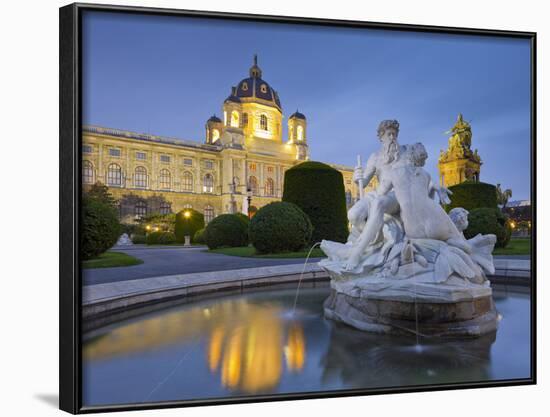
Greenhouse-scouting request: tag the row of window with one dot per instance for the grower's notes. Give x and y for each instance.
(142, 156)
(114, 179)
(236, 122)
(141, 210)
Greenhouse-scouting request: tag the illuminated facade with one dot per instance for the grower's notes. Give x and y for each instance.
(244, 150)
(458, 163)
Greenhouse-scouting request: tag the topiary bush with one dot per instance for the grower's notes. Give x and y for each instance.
(471, 195)
(100, 227)
(199, 236)
(139, 239)
(489, 221)
(280, 227)
(244, 218)
(226, 230)
(318, 190)
(188, 226)
(160, 238)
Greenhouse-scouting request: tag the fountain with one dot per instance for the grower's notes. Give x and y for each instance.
(407, 267)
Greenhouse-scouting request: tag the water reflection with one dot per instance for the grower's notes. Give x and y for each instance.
(387, 361)
(247, 344)
(250, 344)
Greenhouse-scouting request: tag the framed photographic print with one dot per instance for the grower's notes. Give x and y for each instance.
(259, 208)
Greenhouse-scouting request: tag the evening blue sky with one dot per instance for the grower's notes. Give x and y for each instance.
(167, 75)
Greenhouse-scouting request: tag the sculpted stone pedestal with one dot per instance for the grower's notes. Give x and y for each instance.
(403, 307)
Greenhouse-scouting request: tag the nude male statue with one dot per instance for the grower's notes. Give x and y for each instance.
(375, 206)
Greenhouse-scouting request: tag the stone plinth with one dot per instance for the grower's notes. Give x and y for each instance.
(403, 307)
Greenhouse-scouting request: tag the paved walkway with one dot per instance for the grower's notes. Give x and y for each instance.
(162, 261)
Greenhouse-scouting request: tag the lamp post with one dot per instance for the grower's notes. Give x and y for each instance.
(249, 199)
(187, 216)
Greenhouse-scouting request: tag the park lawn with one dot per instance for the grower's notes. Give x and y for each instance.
(250, 252)
(110, 260)
(516, 246)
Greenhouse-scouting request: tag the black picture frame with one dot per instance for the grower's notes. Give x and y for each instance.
(70, 123)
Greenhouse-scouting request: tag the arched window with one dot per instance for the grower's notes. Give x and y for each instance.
(187, 183)
(165, 179)
(114, 175)
(300, 132)
(235, 118)
(263, 122)
(87, 172)
(165, 208)
(208, 214)
(140, 177)
(140, 209)
(187, 206)
(245, 119)
(253, 185)
(208, 184)
(215, 135)
(269, 187)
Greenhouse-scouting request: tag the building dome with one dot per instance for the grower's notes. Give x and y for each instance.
(297, 115)
(233, 99)
(214, 119)
(254, 87)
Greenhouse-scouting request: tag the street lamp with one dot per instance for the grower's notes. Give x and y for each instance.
(187, 216)
(249, 199)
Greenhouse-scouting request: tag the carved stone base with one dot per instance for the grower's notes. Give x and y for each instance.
(466, 317)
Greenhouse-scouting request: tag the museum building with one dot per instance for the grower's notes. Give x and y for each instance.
(243, 157)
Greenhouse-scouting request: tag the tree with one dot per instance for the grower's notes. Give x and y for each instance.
(503, 196)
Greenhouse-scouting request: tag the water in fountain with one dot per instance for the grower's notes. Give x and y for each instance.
(301, 276)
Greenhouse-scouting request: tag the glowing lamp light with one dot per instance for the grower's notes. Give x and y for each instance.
(187, 214)
(513, 225)
(148, 227)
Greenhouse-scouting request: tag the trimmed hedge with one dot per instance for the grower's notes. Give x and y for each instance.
(160, 238)
(226, 230)
(318, 190)
(280, 227)
(471, 195)
(100, 227)
(137, 239)
(489, 221)
(244, 218)
(199, 236)
(188, 226)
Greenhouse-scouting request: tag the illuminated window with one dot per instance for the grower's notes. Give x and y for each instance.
(140, 209)
(187, 206)
(263, 122)
(188, 162)
(208, 214)
(215, 135)
(140, 177)
(235, 118)
(245, 119)
(87, 172)
(141, 156)
(114, 175)
(269, 187)
(165, 208)
(187, 183)
(253, 185)
(114, 152)
(300, 133)
(165, 179)
(208, 183)
(252, 167)
(165, 158)
(87, 149)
